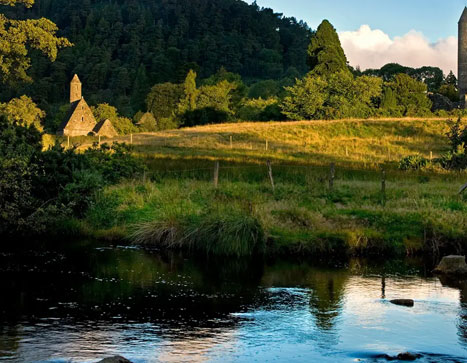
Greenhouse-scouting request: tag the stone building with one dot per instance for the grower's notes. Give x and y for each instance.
(80, 120)
(462, 56)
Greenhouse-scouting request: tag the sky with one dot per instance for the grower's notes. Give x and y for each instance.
(375, 32)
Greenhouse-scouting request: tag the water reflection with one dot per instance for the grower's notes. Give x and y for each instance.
(83, 303)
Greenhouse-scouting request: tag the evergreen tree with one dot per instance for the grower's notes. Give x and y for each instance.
(191, 93)
(325, 53)
(450, 79)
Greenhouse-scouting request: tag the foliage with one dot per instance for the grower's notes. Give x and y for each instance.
(260, 110)
(122, 48)
(23, 111)
(147, 123)
(389, 103)
(162, 101)
(450, 91)
(265, 89)
(217, 96)
(410, 95)
(239, 91)
(325, 53)
(189, 102)
(339, 95)
(17, 37)
(431, 76)
(39, 187)
(455, 159)
(121, 124)
(413, 162)
(305, 98)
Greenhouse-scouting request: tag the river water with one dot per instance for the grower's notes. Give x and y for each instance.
(85, 302)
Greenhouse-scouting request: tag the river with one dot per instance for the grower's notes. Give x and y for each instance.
(88, 301)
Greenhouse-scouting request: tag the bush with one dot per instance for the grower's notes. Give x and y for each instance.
(413, 162)
(204, 116)
(233, 233)
(454, 160)
(39, 187)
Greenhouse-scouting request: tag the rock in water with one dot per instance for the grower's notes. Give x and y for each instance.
(116, 359)
(407, 356)
(403, 302)
(452, 265)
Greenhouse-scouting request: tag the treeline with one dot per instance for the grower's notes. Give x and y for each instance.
(123, 47)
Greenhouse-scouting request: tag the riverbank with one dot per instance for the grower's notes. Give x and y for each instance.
(177, 205)
(418, 213)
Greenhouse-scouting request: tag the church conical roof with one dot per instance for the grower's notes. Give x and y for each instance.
(463, 18)
(76, 79)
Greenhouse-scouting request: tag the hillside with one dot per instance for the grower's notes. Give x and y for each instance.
(415, 211)
(350, 143)
(122, 48)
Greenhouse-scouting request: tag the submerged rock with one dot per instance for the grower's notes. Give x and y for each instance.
(116, 359)
(403, 302)
(408, 356)
(452, 265)
(405, 357)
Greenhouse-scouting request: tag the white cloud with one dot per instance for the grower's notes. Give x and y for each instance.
(372, 48)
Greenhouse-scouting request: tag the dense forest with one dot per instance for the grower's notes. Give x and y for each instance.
(123, 47)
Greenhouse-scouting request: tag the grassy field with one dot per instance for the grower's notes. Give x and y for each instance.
(176, 204)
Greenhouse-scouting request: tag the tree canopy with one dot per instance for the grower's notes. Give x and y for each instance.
(325, 53)
(17, 37)
(122, 48)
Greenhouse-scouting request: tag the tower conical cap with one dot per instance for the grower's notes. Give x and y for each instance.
(75, 79)
(463, 18)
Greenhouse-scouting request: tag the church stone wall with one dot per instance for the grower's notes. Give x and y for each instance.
(81, 122)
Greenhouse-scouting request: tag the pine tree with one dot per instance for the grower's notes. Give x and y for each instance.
(325, 53)
(450, 79)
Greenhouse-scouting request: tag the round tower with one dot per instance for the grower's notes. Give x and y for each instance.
(462, 56)
(75, 89)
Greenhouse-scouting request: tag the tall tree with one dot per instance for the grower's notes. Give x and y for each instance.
(17, 37)
(325, 53)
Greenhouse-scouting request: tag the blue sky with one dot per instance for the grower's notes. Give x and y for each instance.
(434, 18)
(375, 32)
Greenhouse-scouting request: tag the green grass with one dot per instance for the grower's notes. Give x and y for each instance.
(177, 206)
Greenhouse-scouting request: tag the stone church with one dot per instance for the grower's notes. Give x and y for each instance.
(80, 120)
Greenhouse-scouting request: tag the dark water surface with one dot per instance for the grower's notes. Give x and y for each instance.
(84, 303)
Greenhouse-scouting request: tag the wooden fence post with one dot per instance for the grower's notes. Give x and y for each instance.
(131, 139)
(332, 176)
(231, 142)
(267, 145)
(347, 151)
(431, 155)
(68, 143)
(99, 140)
(216, 174)
(271, 179)
(383, 186)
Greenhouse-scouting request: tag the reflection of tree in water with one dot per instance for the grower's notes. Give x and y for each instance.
(10, 339)
(327, 287)
(327, 296)
(462, 286)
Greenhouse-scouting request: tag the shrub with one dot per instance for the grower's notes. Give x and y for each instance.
(223, 234)
(413, 162)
